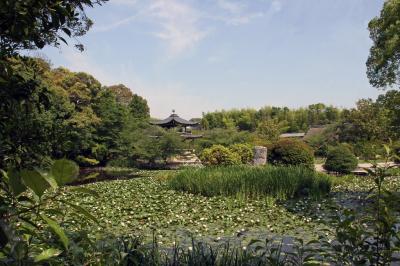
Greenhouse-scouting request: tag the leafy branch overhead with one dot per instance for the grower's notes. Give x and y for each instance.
(32, 24)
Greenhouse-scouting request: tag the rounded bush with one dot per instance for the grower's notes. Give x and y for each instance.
(340, 159)
(219, 155)
(244, 151)
(291, 152)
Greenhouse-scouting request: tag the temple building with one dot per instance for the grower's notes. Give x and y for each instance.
(174, 121)
(186, 157)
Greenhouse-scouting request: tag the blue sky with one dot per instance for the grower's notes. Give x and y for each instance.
(196, 56)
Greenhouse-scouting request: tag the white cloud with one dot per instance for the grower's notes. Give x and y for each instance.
(276, 5)
(236, 13)
(114, 25)
(232, 7)
(124, 2)
(179, 25)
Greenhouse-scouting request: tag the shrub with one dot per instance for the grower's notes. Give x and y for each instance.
(244, 151)
(119, 162)
(219, 155)
(340, 159)
(368, 150)
(292, 152)
(276, 181)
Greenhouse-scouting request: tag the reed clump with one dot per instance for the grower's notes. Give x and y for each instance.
(252, 182)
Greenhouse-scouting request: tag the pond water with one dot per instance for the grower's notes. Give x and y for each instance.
(91, 175)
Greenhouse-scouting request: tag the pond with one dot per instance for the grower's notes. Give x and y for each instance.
(97, 174)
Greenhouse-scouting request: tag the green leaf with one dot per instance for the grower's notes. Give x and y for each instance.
(86, 191)
(15, 182)
(57, 230)
(51, 180)
(47, 254)
(83, 211)
(35, 181)
(64, 171)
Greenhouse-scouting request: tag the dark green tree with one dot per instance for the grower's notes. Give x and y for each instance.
(390, 101)
(112, 121)
(139, 108)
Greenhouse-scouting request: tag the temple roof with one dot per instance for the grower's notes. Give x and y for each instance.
(174, 120)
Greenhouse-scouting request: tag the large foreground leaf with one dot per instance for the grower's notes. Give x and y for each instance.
(64, 171)
(47, 254)
(15, 182)
(57, 230)
(35, 181)
(83, 211)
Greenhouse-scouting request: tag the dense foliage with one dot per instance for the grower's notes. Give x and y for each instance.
(291, 152)
(277, 182)
(47, 113)
(56, 113)
(340, 159)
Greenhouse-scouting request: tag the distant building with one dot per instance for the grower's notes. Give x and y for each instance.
(314, 130)
(174, 121)
(292, 135)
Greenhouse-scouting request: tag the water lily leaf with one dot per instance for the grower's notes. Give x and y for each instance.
(56, 230)
(64, 171)
(35, 181)
(47, 254)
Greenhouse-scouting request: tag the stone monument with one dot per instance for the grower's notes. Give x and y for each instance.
(260, 155)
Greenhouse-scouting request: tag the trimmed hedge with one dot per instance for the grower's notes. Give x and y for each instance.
(291, 152)
(219, 155)
(244, 151)
(340, 159)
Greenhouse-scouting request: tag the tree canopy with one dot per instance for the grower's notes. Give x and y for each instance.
(32, 24)
(383, 64)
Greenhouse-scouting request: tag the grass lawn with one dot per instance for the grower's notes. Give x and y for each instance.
(145, 206)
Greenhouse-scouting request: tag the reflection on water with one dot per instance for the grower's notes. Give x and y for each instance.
(91, 175)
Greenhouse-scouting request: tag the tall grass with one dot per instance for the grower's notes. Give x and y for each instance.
(254, 182)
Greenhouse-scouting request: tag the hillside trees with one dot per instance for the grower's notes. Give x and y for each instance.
(60, 114)
(289, 120)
